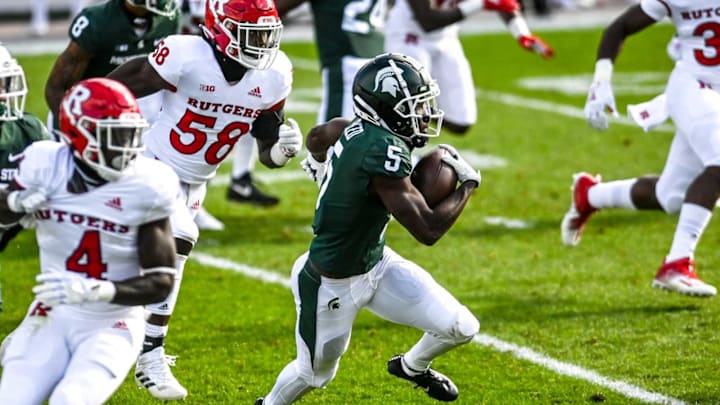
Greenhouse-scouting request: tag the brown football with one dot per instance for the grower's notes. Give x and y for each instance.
(434, 178)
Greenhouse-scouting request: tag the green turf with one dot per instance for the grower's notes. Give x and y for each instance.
(591, 306)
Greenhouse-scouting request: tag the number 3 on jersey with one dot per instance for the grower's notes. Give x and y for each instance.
(87, 257)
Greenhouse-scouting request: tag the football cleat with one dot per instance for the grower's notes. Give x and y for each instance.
(206, 221)
(243, 190)
(260, 401)
(580, 210)
(152, 372)
(433, 383)
(679, 276)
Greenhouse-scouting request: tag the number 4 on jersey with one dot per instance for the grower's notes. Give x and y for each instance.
(87, 257)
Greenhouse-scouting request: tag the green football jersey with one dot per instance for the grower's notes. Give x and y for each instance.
(348, 28)
(106, 30)
(350, 222)
(15, 136)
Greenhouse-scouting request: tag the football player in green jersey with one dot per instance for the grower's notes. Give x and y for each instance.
(348, 266)
(18, 129)
(104, 36)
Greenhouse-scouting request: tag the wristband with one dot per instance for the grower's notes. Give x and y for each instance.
(468, 7)
(103, 291)
(159, 269)
(518, 27)
(277, 156)
(603, 70)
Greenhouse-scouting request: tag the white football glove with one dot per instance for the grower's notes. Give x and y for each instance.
(25, 201)
(463, 169)
(290, 138)
(600, 99)
(314, 169)
(64, 288)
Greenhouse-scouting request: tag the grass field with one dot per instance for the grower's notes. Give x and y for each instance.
(558, 325)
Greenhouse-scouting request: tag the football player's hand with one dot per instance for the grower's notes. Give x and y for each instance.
(537, 45)
(315, 169)
(290, 138)
(599, 102)
(463, 169)
(25, 201)
(64, 288)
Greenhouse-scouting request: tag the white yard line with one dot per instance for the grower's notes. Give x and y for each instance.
(566, 369)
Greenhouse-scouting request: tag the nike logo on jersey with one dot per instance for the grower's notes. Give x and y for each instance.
(12, 158)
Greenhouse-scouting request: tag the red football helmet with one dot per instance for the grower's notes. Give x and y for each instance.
(100, 120)
(247, 31)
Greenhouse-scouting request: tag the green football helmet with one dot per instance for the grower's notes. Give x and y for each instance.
(167, 8)
(395, 92)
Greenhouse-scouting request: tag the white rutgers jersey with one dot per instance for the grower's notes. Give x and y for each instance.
(697, 23)
(203, 118)
(94, 234)
(401, 21)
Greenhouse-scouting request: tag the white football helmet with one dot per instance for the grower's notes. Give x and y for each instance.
(13, 87)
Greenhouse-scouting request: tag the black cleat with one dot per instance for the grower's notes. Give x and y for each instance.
(260, 401)
(243, 190)
(433, 383)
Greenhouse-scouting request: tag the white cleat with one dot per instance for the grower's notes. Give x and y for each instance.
(152, 372)
(680, 276)
(206, 221)
(576, 217)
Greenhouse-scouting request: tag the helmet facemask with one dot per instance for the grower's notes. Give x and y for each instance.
(13, 88)
(253, 45)
(112, 144)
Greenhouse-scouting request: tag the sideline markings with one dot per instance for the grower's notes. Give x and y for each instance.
(524, 353)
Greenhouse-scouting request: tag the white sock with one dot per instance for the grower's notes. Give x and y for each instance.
(691, 225)
(419, 357)
(614, 194)
(244, 156)
(155, 330)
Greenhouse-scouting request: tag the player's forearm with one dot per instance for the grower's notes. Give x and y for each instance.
(7, 217)
(143, 290)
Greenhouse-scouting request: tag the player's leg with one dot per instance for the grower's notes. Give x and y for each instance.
(457, 99)
(152, 370)
(34, 360)
(695, 109)
(408, 295)
(242, 189)
(325, 314)
(103, 354)
(40, 17)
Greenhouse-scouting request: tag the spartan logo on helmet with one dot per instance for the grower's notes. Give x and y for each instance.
(395, 92)
(386, 82)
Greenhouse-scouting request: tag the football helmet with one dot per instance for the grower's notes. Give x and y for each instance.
(247, 31)
(395, 92)
(13, 87)
(166, 8)
(100, 120)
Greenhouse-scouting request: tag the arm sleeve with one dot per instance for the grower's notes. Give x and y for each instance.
(171, 64)
(37, 167)
(84, 31)
(166, 189)
(388, 160)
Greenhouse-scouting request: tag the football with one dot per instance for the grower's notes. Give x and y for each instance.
(434, 178)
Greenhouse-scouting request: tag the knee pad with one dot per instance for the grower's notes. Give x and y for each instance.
(465, 327)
